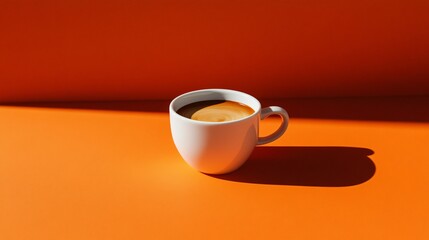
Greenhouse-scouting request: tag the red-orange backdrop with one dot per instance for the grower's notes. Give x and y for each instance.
(117, 50)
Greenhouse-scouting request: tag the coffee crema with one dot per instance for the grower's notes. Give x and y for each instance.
(215, 111)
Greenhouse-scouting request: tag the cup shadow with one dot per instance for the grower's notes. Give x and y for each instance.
(321, 166)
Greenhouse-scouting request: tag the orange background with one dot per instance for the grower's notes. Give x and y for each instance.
(347, 168)
(121, 50)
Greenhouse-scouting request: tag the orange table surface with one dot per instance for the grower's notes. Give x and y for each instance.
(345, 169)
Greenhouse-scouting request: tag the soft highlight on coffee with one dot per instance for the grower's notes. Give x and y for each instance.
(215, 111)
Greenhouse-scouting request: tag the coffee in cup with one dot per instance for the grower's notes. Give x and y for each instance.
(216, 130)
(216, 111)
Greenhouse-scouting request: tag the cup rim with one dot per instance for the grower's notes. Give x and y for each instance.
(257, 111)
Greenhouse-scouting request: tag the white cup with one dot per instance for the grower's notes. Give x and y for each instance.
(220, 147)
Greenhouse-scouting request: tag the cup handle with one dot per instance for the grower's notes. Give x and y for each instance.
(268, 111)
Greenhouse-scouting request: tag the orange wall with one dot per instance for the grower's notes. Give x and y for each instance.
(110, 50)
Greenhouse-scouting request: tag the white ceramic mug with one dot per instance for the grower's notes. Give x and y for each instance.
(220, 147)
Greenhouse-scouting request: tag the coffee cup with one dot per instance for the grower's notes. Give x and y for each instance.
(223, 143)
